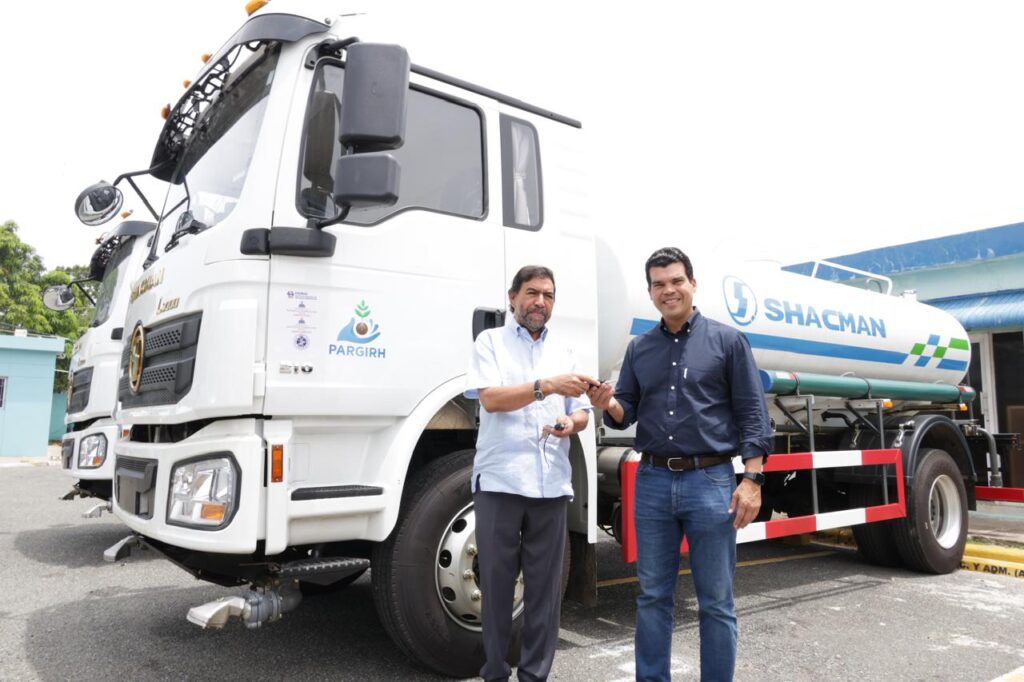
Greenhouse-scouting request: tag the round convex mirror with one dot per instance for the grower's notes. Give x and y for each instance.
(59, 297)
(98, 203)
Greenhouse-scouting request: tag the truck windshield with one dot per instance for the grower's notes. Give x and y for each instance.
(221, 142)
(113, 276)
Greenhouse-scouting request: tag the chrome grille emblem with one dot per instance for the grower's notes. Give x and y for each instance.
(135, 351)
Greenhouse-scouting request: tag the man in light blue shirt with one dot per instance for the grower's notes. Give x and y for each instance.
(532, 401)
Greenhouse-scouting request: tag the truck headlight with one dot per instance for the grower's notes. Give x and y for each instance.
(203, 493)
(92, 451)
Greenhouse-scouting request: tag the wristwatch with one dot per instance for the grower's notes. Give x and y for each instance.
(755, 476)
(537, 393)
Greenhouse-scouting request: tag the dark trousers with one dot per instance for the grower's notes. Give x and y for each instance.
(514, 531)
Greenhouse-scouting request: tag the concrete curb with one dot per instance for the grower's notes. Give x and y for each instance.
(997, 552)
(1009, 569)
(978, 557)
(994, 559)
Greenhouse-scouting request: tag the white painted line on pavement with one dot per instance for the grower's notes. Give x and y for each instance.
(1012, 676)
(576, 638)
(30, 463)
(613, 623)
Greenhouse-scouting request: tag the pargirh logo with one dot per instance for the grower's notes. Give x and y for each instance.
(360, 329)
(354, 337)
(740, 300)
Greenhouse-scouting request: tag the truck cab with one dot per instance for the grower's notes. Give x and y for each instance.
(297, 340)
(87, 447)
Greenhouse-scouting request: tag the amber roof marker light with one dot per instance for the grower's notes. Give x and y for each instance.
(254, 6)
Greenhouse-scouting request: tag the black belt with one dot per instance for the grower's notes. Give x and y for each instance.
(685, 462)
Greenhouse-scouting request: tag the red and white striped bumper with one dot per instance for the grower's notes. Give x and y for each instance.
(767, 530)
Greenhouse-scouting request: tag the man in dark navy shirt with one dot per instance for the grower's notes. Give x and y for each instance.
(692, 386)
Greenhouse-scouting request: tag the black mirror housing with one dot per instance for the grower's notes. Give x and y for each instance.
(373, 97)
(366, 180)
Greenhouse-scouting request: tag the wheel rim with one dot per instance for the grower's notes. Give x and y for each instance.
(457, 573)
(944, 511)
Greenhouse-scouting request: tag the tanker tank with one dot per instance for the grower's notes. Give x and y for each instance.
(794, 323)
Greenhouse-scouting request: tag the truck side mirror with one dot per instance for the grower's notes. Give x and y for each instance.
(98, 203)
(58, 297)
(373, 97)
(372, 122)
(366, 180)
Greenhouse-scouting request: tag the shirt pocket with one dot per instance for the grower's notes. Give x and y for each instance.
(704, 380)
(706, 391)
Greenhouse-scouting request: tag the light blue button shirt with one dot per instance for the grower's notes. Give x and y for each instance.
(510, 454)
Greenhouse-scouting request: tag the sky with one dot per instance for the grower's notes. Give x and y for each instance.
(781, 130)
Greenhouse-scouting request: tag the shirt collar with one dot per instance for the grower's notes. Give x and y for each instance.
(523, 333)
(695, 319)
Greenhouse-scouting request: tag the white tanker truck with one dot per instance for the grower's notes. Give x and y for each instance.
(296, 347)
(87, 446)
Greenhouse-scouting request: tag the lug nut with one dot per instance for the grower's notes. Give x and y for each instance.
(467, 574)
(471, 550)
(476, 595)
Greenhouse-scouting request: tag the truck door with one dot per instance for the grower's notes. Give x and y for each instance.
(387, 318)
(546, 222)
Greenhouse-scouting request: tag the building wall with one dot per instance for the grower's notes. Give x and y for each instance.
(57, 411)
(28, 364)
(961, 280)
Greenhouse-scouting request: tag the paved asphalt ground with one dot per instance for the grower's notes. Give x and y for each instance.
(806, 612)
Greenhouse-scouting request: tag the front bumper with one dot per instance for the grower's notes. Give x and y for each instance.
(142, 501)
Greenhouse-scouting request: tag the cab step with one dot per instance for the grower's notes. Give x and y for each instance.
(323, 571)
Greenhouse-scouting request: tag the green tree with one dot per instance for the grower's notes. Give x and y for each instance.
(20, 272)
(22, 281)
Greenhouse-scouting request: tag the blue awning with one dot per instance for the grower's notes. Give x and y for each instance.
(994, 310)
(928, 254)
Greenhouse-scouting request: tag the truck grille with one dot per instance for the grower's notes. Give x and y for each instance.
(135, 485)
(168, 363)
(67, 450)
(81, 382)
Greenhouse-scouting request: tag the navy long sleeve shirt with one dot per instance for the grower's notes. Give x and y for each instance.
(696, 392)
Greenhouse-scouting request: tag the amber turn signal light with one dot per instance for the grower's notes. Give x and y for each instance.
(276, 463)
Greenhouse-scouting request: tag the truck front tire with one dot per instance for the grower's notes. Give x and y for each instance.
(419, 610)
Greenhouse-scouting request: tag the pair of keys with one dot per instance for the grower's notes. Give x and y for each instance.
(557, 427)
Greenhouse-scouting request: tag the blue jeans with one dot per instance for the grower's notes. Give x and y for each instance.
(669, 504)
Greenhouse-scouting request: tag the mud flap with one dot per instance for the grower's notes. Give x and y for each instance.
(582, 587)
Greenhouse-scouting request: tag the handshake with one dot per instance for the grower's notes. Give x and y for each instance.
(574, 385)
